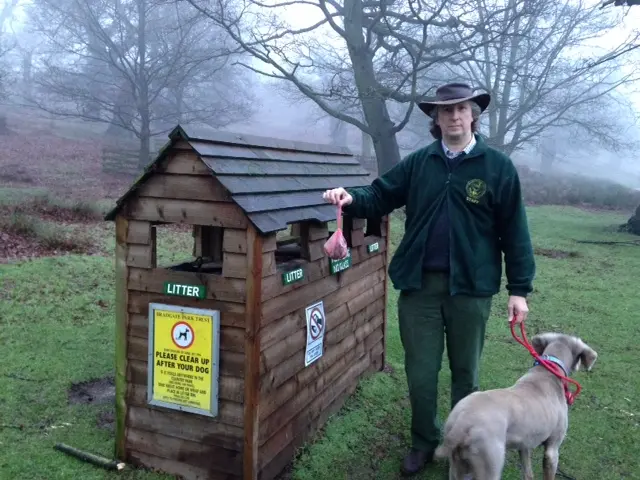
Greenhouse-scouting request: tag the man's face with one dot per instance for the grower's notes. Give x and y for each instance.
(455, 120)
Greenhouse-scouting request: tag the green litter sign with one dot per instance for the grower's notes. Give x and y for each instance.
(336, 266)
(374, 247)
(292, 276)
(182, 290)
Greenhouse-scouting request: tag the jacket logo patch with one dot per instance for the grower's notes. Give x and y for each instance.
(475, 188)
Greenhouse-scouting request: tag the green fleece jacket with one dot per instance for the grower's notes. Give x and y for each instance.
(486, 216)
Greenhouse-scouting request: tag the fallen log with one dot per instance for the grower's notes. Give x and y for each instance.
(610, 242)
(90, 457)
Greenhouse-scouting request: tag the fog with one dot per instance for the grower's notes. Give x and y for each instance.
(120, 74)
(99, 235)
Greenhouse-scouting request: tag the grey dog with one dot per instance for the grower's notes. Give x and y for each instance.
(530, 413)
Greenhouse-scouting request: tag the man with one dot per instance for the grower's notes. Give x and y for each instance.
(464, 207)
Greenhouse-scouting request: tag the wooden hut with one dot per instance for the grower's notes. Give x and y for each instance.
(227, 362)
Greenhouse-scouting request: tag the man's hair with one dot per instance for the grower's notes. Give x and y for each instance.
(436, 131)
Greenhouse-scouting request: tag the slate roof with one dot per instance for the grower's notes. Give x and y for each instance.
(275, 182)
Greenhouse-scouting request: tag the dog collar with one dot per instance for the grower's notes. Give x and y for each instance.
(553, 359)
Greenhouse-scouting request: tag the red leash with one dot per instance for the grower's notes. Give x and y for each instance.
(551, 366)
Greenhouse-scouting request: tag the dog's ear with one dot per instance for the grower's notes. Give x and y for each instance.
(540, 341)
(587, 356)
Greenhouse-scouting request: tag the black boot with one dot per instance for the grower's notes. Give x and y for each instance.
(415, 461)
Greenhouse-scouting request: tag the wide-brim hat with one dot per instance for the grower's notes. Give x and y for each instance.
(453, 93)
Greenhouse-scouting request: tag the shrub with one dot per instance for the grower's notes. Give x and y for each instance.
(69, 210)
(633, 224)
(575, 190)
(47, 235)
(55, 238)
(20, 224)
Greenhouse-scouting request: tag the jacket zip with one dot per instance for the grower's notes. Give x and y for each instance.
(448, 194)
(452, 290)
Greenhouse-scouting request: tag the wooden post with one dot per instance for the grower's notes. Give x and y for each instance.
(252, 353)
(347, 228)
(208, 242)
(312, 239)
(296, 230)
(122, 324)
(197, 241)
(153, 231)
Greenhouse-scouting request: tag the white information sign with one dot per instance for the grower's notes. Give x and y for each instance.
(315, 333)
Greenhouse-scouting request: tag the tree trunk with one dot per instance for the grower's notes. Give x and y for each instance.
(143, 88)
(27, 77)
(548, 152)
(374, 105)
(94, 69)
(367, 145)
(633, 225)
(121, 115)
(509, 78)
(145, 149)
(179, 103)
(387, 150)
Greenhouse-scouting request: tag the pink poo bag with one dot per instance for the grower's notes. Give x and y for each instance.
(336, 246)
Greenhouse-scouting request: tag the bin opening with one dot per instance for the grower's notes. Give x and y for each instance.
(198, 266)
(288, 252)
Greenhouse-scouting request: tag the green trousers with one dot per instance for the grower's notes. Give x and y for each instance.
(428, 316)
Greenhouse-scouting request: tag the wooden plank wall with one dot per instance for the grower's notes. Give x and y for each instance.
(121, 333)
(254, 267)
(189, 441)
(184, 191)
(179, 443)
(288, 402)
(295, 401)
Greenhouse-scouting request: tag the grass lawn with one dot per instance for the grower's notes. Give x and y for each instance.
(57, 328)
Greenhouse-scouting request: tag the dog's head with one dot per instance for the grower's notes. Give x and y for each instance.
(570, 349)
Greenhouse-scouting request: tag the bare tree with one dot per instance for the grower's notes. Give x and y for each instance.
(611, 127)
(631, 44)
(370, 53)
(619, 3)
(6, 14)
(537, 78)
(138, 65)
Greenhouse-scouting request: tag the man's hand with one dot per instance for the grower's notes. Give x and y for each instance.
(337, 196)
(517, 306)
